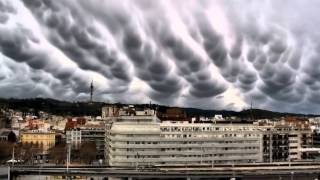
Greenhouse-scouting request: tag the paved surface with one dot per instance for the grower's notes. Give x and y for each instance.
(3, 172)
(250, 173)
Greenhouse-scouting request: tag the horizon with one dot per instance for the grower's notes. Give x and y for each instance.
(182, 107)
(203, 54)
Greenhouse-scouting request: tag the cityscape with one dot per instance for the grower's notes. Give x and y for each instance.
(141, 89)
(148, 137)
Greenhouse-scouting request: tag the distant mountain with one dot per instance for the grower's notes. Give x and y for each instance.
(66, 108)
(244, 114)
(53, 106)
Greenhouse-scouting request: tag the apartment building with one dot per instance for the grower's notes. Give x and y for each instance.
(94, 133)
(287, 140)
(136, 137)
(134, 140)
(89, 132)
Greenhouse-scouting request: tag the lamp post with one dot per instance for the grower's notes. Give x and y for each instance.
(13, 156)
(212, 161)
(292, 173)
(68, 156)
(201, 155)
(137, 162)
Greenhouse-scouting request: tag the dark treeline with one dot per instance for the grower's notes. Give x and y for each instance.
(53, 106)
(66, 108)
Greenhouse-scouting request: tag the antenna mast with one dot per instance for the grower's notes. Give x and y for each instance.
(91, 91)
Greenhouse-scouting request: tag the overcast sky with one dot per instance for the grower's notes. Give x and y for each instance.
(204, 54)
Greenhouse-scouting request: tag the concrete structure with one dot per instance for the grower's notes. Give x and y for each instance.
(144, 140)
(137, 137)
(286, 140)
(73, 137)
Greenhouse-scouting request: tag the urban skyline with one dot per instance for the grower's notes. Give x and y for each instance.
(202, 54)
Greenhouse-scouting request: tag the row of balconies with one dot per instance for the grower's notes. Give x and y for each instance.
(198, 139)
(185, 152)
(114, 159)
(142, 146)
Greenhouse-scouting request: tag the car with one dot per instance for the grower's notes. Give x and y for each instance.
(14, 161)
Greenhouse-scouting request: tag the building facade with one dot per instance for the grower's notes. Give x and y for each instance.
(45, 140)
(144, 140)
(88, 133)
(138, 138)
(287, 141)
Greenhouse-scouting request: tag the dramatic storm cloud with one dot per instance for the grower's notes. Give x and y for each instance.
(207, 54)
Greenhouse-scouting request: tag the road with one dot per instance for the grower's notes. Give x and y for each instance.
(298, 172)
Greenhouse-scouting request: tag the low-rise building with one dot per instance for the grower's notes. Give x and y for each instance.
(44, 139)
(7, 135)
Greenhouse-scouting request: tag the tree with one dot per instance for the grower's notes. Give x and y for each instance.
(58, 153)
(88, 152)
(5, 150)
(12, 137)
(26, 151)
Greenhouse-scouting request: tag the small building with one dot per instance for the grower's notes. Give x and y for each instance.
(45, 139)
(8, 135)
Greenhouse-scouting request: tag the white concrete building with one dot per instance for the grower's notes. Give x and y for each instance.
(144, 140)
(73, 137)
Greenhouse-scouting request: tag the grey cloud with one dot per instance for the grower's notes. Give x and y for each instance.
(83, 39)
(278, 46)
(6, 7)
(248, 78)
(17, 47)
(3, 18)
(207, 89)
(169, 86)
(294, 59)
(132, 40)
(236, 49)
(260, 62)
(273, 58)
(158, 67)
(314, 97)
(251, 56)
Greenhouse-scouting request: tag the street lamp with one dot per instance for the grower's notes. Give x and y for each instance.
(13, 156)
(68, 155)
(212, 161)
(201, 155)
(137, 161)
(292, 173)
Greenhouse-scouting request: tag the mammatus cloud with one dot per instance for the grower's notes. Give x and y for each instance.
(207, 54)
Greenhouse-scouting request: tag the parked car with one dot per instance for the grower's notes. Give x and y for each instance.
(15, 161)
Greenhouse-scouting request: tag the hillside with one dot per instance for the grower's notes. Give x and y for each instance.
(66, 108)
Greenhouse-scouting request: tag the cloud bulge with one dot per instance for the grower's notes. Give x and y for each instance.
(207, 54)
